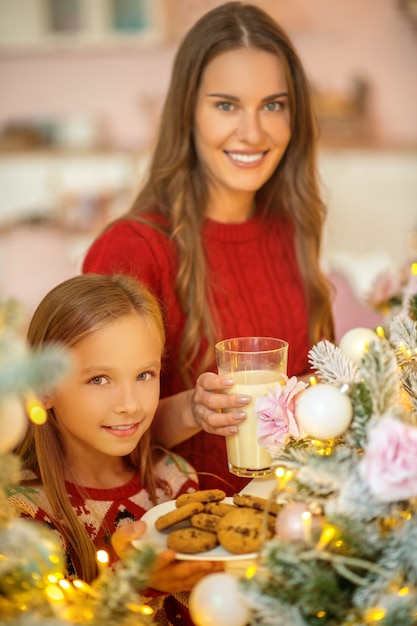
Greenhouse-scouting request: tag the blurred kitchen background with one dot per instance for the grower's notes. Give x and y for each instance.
(81, 87)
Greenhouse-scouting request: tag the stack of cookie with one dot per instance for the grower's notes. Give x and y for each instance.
(239, 524)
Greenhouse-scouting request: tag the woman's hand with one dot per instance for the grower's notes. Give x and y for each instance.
(212, 406)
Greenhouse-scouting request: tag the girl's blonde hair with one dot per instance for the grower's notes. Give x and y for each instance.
(67, 314)
(177, 185)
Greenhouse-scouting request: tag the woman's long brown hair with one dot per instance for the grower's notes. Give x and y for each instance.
(70, 312)
(177, 186)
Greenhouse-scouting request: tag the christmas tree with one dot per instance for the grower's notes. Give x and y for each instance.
(345, 550)
(345, 546)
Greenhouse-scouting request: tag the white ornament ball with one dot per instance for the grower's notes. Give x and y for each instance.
(13, 423)
(356, 341)
(216, 600)
(323, 411)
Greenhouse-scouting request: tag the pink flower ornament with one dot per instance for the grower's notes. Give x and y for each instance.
(275, 412)
(389, 464)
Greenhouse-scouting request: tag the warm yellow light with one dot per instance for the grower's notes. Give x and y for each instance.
(306, 518)
(54, 578)
(79, 584)
(54, 593)
(323, 447)
(380, 331)
(143, 609)
(325, 538)
(283, 476)
(321, 614)
(414, 268)
(102, 557)
(65, 584)
(312, 380)
(404, 591)
(250, 571)
(36, 411)
(55, 560)
(84, 587)
(375, 615)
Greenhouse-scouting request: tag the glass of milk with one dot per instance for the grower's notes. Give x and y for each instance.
(255, 363)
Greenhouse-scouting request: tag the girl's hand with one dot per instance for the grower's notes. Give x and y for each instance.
(124, 535)
(172, 576)
(169, 575)
(212, 405)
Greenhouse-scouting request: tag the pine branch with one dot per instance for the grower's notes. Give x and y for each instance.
(9, 475)
(38, 372)
(355, 500)
(268, 611)
(412, 308)
(332, 365)
(346, 561)
(403, 333)
(380, 375)
(361, 399)
(118, 590)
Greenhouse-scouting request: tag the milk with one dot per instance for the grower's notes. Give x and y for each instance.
(245, 456)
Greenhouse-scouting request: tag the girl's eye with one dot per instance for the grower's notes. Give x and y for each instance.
(98, 380)
(145, 376)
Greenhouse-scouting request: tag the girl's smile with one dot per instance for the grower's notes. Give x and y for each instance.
(122, 431)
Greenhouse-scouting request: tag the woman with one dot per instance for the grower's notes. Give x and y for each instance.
(227, 228)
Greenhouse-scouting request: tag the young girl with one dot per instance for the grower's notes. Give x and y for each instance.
(90, 469)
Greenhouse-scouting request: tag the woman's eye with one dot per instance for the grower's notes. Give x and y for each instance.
(225, 106)
(274, 106)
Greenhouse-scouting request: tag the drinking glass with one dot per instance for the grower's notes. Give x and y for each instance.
(255, 363)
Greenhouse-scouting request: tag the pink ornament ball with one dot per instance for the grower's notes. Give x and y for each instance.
(289, 523)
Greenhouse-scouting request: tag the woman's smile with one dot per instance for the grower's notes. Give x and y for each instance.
(246, 159)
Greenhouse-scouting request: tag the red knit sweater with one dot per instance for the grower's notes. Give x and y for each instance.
(257, 290)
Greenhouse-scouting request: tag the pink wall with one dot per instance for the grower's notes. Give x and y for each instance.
(336, 40)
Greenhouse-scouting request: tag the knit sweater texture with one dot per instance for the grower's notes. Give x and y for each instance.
(102, 511)
(257, 291)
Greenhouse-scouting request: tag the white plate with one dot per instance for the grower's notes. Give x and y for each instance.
(158, 539)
